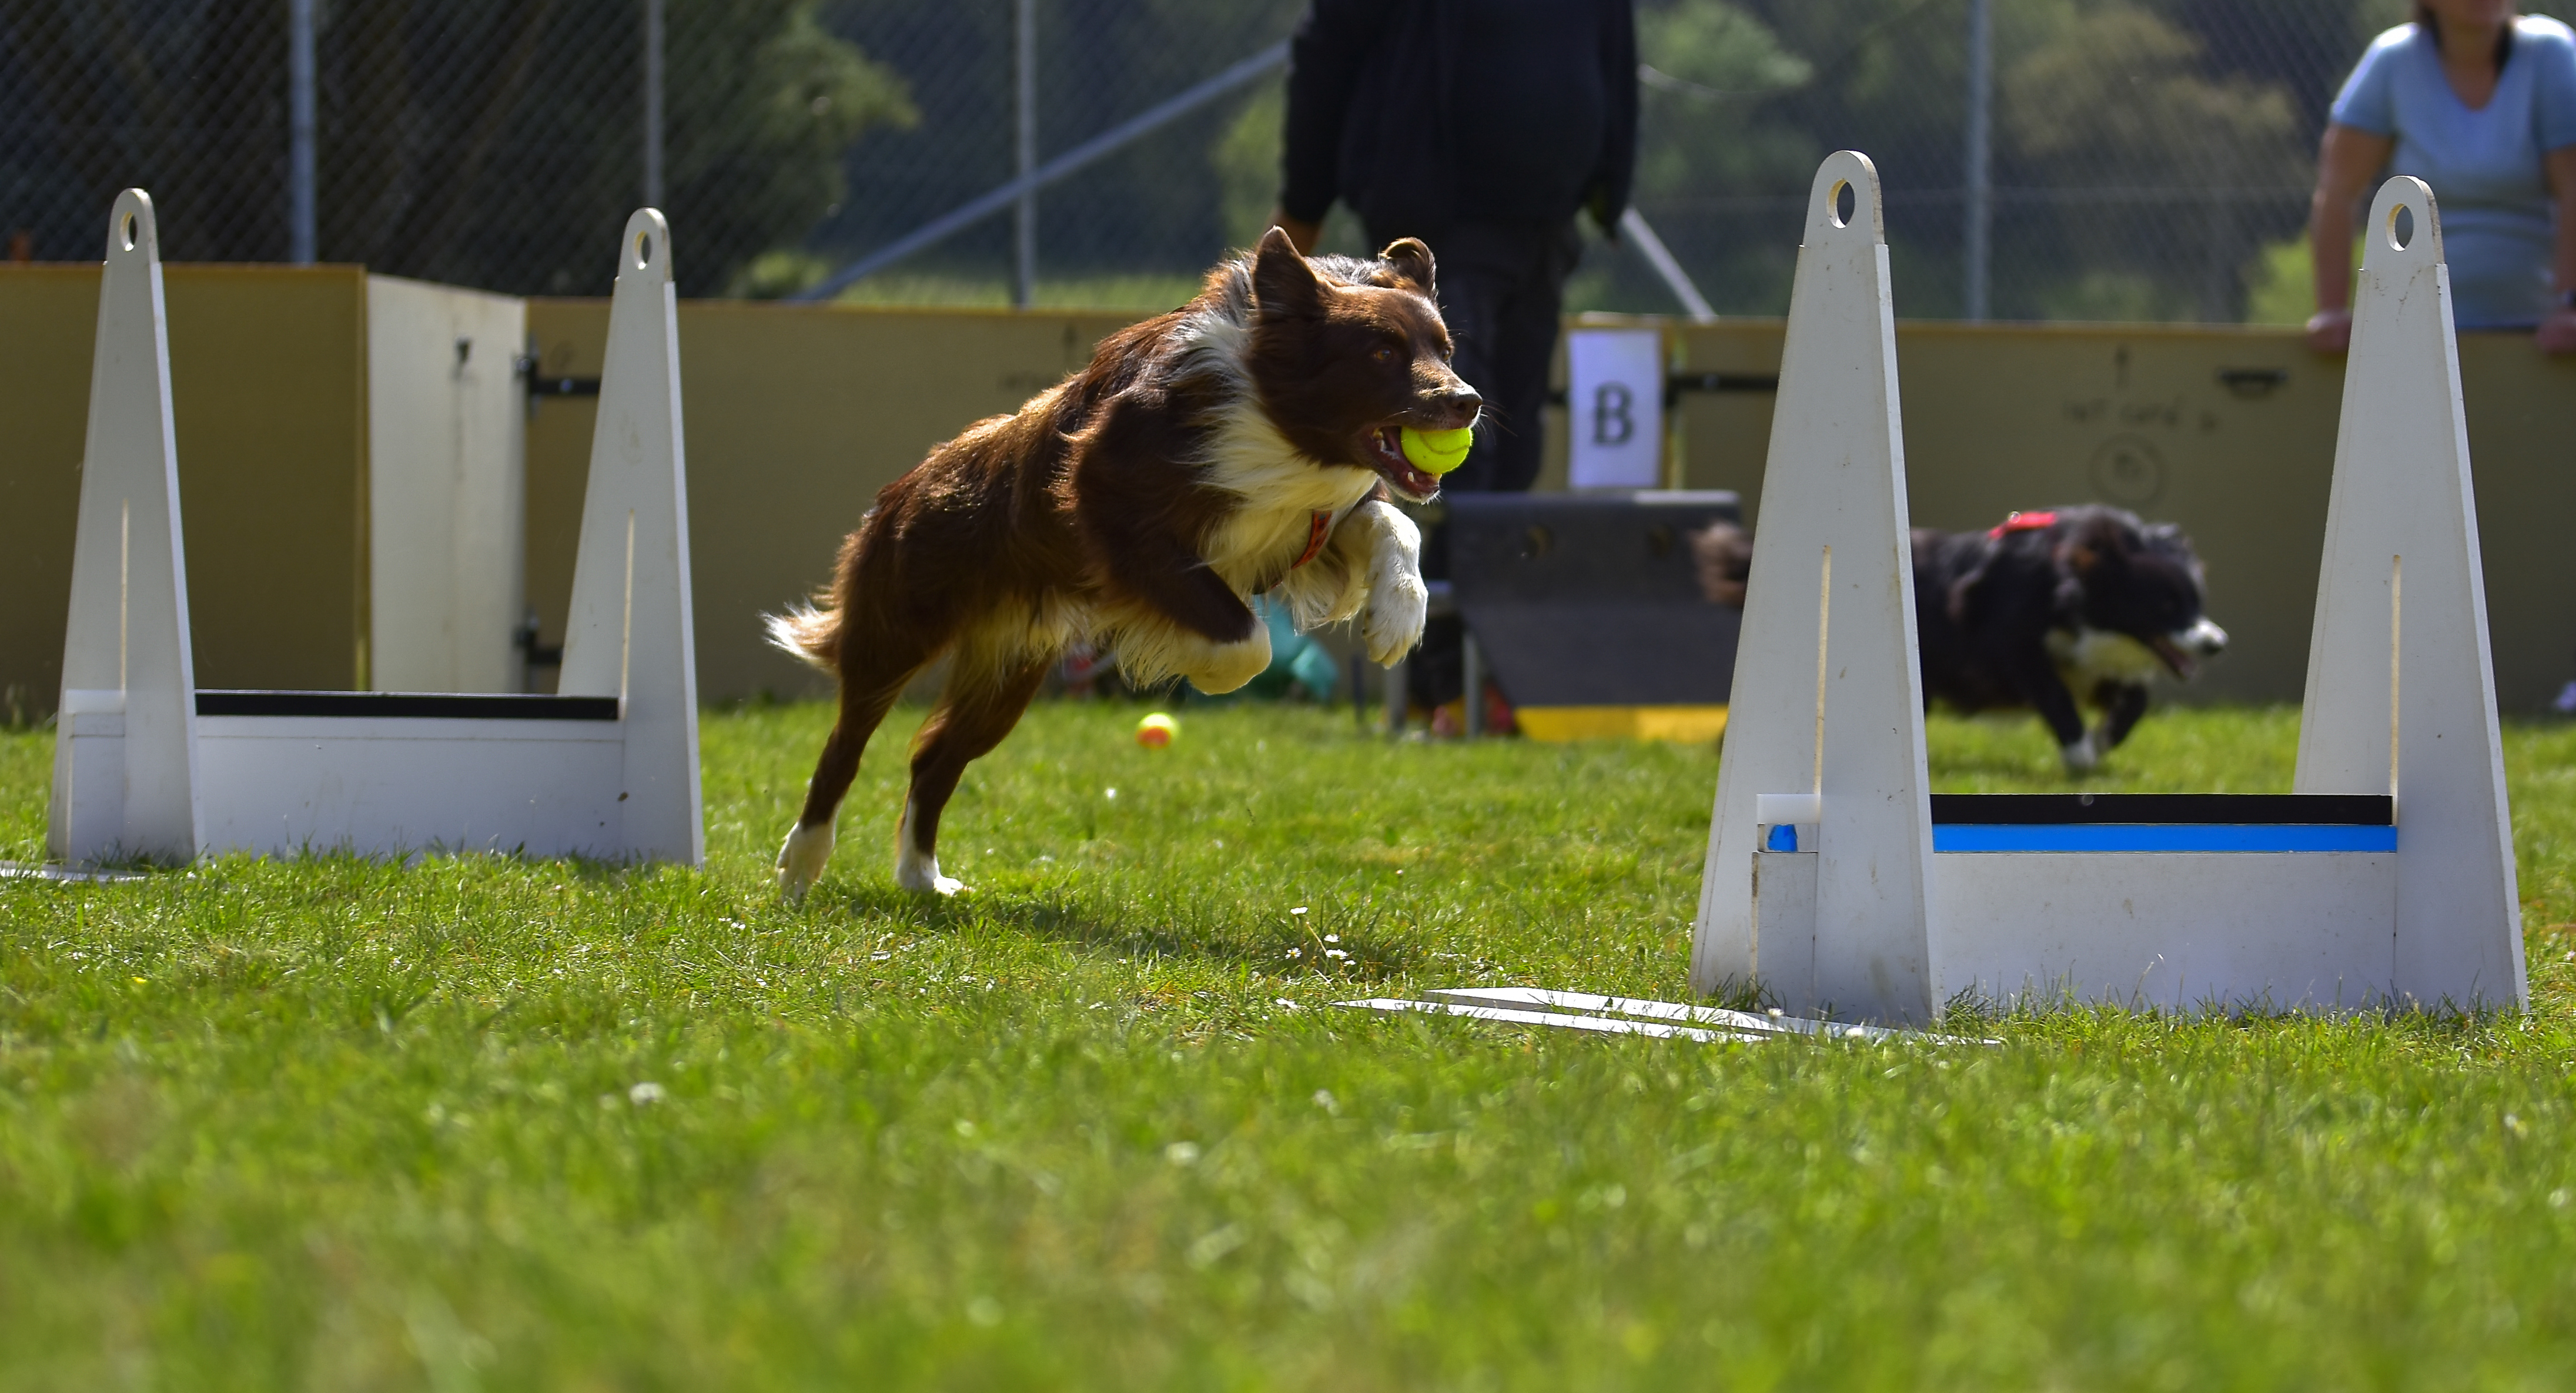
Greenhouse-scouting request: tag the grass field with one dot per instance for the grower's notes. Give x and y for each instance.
(488, 1124)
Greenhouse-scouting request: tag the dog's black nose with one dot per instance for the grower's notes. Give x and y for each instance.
(1463, 404)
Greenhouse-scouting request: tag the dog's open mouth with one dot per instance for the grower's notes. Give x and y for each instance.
(1386, 456)
(2179, 662)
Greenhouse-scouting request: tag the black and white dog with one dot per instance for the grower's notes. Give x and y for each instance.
(2043, 610)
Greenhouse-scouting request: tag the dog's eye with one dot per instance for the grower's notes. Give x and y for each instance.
(1383, 353)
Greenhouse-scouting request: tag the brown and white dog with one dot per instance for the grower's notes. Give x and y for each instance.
(1247, 442)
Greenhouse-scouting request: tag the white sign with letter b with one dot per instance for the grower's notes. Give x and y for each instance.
(1615, 408)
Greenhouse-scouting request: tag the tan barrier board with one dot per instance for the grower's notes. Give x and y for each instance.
(268, 392)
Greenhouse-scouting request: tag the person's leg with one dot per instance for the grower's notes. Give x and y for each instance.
(1523, 336)
(1484, 271)
(1500, 286)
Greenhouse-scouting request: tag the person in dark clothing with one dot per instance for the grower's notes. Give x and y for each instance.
(1482, 127)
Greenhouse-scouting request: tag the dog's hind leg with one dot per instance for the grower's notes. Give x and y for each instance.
(873, 673)
(982, 704)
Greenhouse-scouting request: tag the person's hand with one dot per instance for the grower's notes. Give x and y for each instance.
(2557, 332)
(2330, 331)
(1300, 232)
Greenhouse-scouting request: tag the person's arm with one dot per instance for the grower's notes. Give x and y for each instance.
(2346, 162)
(1324, 59)
(2558, 329)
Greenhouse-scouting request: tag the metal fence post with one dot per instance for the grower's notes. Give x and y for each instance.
(1981, 194)
(299, 128)
(653, 103)
(1024, 215)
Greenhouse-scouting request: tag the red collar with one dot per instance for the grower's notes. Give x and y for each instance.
(1319, 529)
(2022, 522)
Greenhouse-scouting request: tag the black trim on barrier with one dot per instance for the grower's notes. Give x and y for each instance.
(539, 385)
(441, 705)
(2252, 382)
(2258, 809)
(1681, 382)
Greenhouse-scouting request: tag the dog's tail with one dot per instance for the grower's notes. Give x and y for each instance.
(808, 634)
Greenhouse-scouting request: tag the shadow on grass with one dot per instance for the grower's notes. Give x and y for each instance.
(1066, 919)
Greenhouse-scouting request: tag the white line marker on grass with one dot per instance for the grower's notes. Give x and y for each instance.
(1600, 1025)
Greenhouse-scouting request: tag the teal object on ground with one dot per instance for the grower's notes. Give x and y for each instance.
(1296, 661)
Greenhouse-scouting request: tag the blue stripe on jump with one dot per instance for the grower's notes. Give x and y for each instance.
(2115, 836)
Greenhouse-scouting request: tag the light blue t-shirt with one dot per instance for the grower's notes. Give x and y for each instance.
(2484, 165)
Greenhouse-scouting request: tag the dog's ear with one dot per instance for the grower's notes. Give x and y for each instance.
(1283, 285)
(1411, 262)
(2097, 540)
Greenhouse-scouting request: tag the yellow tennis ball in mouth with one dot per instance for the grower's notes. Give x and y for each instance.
(1156, 731)
(1437, 451)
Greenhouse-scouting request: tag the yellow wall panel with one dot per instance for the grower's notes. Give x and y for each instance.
(267, 374)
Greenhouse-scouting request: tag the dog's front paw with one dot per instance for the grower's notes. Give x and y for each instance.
(1393, 623)
(801, 860)
(2084, 755)
(1223, 667)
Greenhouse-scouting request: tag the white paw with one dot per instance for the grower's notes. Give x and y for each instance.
(801, 861)
(2083, 755)
(922, 877)
(1392, 624)
(1222, 667)
(917, 870)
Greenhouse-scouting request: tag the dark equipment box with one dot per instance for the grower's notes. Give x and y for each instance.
(1593, 600)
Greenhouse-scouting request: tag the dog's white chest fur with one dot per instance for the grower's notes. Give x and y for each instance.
(2088, 656)
(1280, 490)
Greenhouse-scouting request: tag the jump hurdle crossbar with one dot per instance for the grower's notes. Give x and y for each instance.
(146, 766)
(1837, 881)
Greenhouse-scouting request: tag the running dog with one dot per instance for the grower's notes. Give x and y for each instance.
(1246, 443)
(2042, 610)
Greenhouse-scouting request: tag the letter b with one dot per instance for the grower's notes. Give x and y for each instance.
(1611, 423)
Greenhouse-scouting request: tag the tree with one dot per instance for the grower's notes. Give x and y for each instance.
(477, 142)
(2119, 111)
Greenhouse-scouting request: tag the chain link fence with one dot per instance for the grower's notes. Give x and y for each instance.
(2145, 159)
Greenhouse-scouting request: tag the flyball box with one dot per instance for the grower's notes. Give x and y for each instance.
(1588, 609)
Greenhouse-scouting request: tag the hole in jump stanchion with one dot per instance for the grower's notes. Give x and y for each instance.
(2401, 226)
(1846, 202)
(125, 231)
(643, 250)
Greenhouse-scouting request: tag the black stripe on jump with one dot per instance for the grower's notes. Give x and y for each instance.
(2260, 809)
(447, 706)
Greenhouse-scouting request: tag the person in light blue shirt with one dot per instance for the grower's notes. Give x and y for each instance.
(2480, 104)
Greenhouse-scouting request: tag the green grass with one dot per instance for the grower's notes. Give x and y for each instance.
(342, 1125)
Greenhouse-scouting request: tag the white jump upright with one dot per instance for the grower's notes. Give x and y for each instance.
(1827, 704)
(2402, 621)
(1841, 885)
(147, 765)
(630, 634)
(125, 744)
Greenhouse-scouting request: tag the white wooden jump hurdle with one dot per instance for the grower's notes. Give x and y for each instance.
(148, 766)
(1837, 881)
